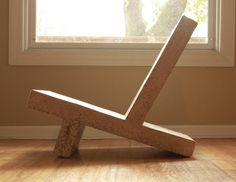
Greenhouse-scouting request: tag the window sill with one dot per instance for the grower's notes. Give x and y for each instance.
(204, 58)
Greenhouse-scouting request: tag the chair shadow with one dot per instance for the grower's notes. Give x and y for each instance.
(90, 157)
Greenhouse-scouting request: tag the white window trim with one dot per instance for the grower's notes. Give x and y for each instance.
(140, 46)
(21, 53)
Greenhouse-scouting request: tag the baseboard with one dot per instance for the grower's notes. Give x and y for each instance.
(47, 132)
(51, 132)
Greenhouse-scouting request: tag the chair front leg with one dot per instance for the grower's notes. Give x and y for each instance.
(69, 137)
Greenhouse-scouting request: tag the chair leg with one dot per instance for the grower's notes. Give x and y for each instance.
(69, 137)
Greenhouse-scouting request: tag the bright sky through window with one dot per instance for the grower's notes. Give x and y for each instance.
(103, 18)
(80, 18)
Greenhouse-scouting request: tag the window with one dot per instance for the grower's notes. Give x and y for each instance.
(117, 32)
(117, 21)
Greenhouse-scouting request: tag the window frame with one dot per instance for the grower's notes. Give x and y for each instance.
(24, 51)
(143, 46)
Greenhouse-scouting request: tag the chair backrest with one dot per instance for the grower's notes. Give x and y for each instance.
(160, 71)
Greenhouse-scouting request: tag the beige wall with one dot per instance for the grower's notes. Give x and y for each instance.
(191, 95)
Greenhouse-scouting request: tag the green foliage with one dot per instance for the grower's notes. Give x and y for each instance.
(199, 8)
(165, 16)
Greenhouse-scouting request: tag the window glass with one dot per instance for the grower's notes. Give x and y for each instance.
(116, 21)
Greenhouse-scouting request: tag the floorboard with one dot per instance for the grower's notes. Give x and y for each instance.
(116, 161)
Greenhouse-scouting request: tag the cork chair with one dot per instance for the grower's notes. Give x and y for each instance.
(77, 114)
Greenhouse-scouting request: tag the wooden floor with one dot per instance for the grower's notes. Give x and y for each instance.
(116, 160)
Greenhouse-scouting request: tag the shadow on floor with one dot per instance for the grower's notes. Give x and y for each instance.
(36, 159)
